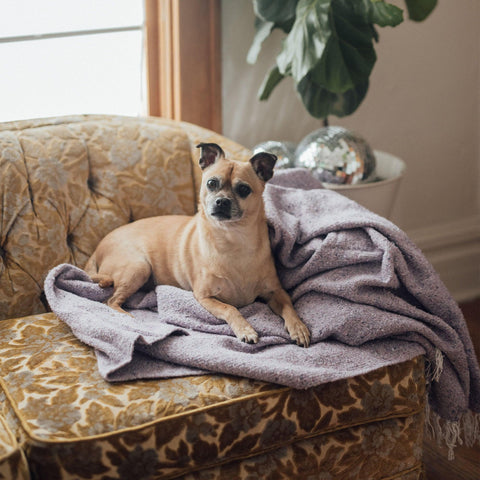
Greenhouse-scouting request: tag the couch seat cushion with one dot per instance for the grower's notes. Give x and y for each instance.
(65, 412)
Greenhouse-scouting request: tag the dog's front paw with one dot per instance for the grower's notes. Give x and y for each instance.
(247, 334)
(300, 334)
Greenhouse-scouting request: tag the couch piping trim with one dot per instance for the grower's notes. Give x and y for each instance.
(405, 472)
(294, 440)
(159, 421)
(149, 424)
(153, 423)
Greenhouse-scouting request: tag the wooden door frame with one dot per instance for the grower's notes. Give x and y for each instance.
(183, 40)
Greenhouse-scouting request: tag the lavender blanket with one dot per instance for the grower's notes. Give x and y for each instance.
(368, 295)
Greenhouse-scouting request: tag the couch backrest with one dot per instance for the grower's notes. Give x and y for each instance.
(66, 182)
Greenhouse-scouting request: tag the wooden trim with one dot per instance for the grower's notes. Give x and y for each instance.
(183, 60)
(152, 44)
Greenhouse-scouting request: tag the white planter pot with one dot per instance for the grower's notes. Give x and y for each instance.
(378, 196)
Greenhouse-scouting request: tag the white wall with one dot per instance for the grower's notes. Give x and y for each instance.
(423, 105)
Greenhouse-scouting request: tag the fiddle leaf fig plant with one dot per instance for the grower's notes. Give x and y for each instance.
(328, 49)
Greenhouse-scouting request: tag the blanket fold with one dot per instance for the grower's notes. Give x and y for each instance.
(366, 292)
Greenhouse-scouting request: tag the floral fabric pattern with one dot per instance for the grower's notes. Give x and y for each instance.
(169, 428)
(318, 458)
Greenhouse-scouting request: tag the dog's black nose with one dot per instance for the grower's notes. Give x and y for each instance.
(223, 202)
(222, 208)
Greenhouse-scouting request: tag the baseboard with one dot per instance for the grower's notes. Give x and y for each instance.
(453, 248)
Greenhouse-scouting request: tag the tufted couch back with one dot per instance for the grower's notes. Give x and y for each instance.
(66, 182)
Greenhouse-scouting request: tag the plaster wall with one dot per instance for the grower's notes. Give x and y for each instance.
(423, 105)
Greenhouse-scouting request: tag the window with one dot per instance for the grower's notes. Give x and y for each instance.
(126, 57)
(65, 57)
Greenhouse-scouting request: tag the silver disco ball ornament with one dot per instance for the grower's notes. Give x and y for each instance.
(336, 155)
(284, 151)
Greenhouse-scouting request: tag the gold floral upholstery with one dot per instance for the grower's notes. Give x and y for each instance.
(66, 182)
(64, 413)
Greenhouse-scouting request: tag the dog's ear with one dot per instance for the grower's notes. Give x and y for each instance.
(263, 164)
(211, 152)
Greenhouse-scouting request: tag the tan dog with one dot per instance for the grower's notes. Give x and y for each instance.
(222, 253)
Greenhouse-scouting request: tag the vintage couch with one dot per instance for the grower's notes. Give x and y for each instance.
(65, 183)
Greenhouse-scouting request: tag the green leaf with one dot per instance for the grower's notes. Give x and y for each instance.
(349, 56)
(273, 78)
(263, 30)
(320, 102)
(419, 10)
(343, 66)
(306, 41)
(278, 12)
(385, 14)
(329, 50)
(352, 24)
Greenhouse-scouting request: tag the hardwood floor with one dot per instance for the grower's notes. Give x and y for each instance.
(466, 465)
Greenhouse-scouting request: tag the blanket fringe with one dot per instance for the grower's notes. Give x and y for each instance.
(433, 370)
(465, 430)
(448, 433)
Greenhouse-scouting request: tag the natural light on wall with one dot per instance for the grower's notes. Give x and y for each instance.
(63, 57)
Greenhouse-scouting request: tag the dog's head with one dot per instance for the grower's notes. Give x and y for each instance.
(232, 190)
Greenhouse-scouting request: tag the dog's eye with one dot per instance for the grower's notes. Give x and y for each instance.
(243, 190)
(212, 184)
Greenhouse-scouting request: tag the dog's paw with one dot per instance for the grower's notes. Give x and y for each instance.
(103, 281)
(300, 334)
(248, 335)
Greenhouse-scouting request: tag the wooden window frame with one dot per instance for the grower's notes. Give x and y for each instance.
(183, 61)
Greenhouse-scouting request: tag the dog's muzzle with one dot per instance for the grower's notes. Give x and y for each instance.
(222, 208)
